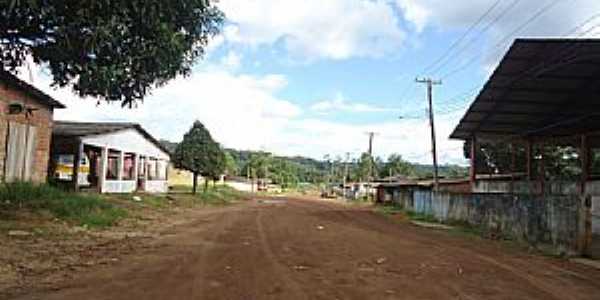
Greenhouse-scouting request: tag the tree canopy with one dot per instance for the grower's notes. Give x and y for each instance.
(200, 154)
(395, 166)
(112, 50)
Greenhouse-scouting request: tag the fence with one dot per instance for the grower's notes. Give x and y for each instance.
(555, 220)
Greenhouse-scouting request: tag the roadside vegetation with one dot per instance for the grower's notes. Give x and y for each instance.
(457, 227)
(214, 195)
(89, 210)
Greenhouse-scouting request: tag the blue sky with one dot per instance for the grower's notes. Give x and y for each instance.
(312, 77)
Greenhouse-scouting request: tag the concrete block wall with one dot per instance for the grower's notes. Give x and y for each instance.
(41, 118)
(554, 220)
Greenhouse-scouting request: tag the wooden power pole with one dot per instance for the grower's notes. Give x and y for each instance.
(430, 83)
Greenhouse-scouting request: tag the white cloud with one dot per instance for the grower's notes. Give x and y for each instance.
(333, 29)
(232, 60)
(415, 13)
(340, 104)
(239, 110)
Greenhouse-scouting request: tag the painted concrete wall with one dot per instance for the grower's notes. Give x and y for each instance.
(240, 186)
(557, 220)
(525, 187)
(119, 187)
(156, 186)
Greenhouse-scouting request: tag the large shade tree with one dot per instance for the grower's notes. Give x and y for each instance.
(112, 50)
(200, 154)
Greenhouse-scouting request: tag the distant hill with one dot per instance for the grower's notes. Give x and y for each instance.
(169, 145)
(310, 165)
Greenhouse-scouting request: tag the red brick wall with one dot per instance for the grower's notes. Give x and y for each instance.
(41, 118)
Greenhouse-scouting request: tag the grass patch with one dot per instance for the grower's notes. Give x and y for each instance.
(215, 195)
(415, 216)
(389, 210)
(90, 210)
(220, 195)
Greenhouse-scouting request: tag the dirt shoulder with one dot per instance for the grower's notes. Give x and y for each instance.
(39, 252)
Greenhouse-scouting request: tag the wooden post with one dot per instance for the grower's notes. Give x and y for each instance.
(76, 165)
(529, 153)
(587, 212)
(473, 170)
(513, 166)
(585, 163)
(103, 169)
(542, 169)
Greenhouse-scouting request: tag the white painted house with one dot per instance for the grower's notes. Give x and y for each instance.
(110, 157)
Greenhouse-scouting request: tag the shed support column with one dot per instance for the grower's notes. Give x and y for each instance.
(103, 169)
(513, 167)
(585, 163)
(76, 165)
(587, 212)
(529, 153)
(121, 166)
(135, 163)
(473, 170)
(542, 170)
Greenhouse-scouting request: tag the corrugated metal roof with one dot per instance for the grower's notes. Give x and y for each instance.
(29, 89)
(84, 129)
(542, 87)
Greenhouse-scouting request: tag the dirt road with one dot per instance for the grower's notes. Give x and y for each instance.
(299, 249)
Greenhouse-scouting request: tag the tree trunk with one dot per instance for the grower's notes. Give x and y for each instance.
(195, 185)
(205, 185)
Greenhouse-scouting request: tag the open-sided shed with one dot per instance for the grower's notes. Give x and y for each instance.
(541, 110)
(112, 157)
(544, 91)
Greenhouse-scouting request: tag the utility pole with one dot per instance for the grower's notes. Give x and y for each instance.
(345, 172)
(430, 83)
(371, 135)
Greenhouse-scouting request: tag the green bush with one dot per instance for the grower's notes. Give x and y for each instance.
(88, 210)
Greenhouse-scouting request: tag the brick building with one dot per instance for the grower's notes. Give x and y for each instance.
(26, 115)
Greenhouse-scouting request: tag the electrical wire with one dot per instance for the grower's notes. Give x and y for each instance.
(462, 37)
(481, 32)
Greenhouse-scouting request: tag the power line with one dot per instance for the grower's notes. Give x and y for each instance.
(528, 21)
(464, 35)
(504, 38)
(481, 32)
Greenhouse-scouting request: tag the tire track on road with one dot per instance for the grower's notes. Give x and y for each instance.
(281, 269)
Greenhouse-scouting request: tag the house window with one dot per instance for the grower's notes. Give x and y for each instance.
(112, 172)
(20, 152)
(128, 166)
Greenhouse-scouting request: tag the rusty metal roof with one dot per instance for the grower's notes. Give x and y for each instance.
(541, 88)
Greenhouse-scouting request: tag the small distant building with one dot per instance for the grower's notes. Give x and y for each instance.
(180, 177)
(109, 157)
(26, 120)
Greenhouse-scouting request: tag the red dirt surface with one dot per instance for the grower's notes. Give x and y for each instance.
(301, 249)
